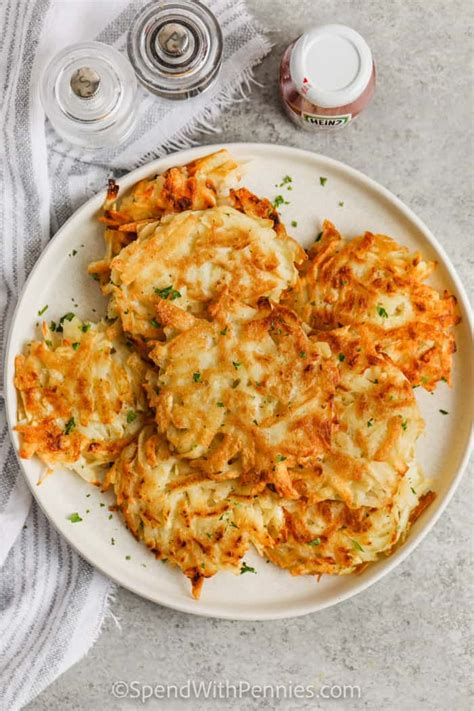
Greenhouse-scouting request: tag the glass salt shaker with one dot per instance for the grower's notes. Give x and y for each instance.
(327, 77)
(176, 48)
(88, 93)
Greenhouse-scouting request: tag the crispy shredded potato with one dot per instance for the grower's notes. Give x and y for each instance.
(372, 280)
(81, 399)
(186, 261)
(198, 185)
(242, 392)
(199, 524)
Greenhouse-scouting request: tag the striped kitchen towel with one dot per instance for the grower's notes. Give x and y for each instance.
(52, 603)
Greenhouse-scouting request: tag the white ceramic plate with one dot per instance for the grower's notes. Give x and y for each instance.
(60, 280)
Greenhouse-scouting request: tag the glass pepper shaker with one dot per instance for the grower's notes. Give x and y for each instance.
(88, 93)
(176, 48)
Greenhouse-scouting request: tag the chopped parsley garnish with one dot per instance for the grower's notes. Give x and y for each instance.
(74, 518)
(444, 412)
(370, 422)
(75, 346)
(236, 364)
(302, 354)
(224, 331)
(112, 541)
(322, 181)
(41, 311)
(280, 200)
(280, 458)
(95, 277)
(85, 327)
(220, 404)
(413, 491)
(357, 545)
(196, 377)
(131, 416)
(70, 424)
(247, 568)
(287, 179)
(168, 293)
(294, 223)
(58, 327)
(155, 323)
(48, 343)
(404, 425)
(128, 557)
(314, 542)
(341, 357)
(318, 237)
(341, 204)
(381, 311)
(74, 252)
(235, 383)
(375, 382)
(110, 516)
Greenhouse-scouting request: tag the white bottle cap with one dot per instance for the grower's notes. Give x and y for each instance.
(331, 65)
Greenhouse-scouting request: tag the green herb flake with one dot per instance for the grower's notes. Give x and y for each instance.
(314, 542)
(381, 311)
(41, 311)
(404, 425)
(374, 382)
(235, 383)
(197, 377)
(74, 252)
(101, 504)
(110, 517)
(155, 323)
(112, 541)
(224, 331)
(357, 545)
(318, 237)
(246, 568)
(444, 412)
(85, 327)
(168, 293)
(294, 223)
(128, 557)
(280, 200)
(280, 458)
(236, 364)
(74, 518)
(341, 203)
(341, 357)
(323, 181)
(370, 423)
(75, 346)
(131, 416)
(413, 491)
(302, 354)
(48, 343)
(220, 404)
(70, 425)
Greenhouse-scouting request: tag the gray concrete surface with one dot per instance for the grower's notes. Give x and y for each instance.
(406, 640)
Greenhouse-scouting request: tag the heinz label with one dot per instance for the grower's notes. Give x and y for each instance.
(326, 121)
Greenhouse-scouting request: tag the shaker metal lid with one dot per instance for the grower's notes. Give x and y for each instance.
(331, 65)
(175, 47)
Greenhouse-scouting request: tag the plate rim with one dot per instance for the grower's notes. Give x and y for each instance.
(179, 157)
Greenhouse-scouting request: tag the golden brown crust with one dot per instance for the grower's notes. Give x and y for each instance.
(373, 281)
